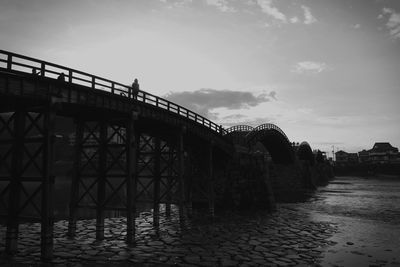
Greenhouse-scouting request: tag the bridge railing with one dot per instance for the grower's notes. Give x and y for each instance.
(20, 63)
(267, 126)
(239, 128)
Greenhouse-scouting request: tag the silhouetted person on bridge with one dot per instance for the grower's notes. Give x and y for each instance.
(61, 77)
(135, 88)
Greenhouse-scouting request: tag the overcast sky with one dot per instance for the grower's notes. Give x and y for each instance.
(325, 71)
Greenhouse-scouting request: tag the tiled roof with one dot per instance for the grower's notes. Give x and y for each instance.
(383, 147)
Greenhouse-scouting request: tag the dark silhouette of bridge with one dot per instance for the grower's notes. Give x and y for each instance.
(129, 147)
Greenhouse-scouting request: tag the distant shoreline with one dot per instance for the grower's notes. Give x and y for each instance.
(380, 171)
(374, 176)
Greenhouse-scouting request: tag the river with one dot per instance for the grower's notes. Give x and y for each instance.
(367, 214)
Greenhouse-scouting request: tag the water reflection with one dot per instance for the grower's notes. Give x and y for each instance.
(361, 198)
(367, 213)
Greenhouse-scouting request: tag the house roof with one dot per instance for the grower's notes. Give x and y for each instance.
(383, 147)
(341, 152)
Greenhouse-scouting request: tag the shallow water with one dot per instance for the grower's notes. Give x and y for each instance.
(367, 213)
(361, 198)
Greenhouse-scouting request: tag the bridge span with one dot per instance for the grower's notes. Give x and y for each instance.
(128, 147)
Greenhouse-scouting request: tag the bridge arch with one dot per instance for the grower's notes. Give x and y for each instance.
(304, 152)
(239, 128)
(274, 140)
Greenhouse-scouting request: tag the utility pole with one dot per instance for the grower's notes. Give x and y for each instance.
(333, 153)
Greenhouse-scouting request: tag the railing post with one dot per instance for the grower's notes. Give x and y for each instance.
(112, 87)
(42, 69)
(9, 62)
(93, 82)
(129, 92)
(70, 73)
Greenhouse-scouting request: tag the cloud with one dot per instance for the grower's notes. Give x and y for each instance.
(177, 3)
(294, 20)
(393, 21)
(308, 17)
(267, 8)
(239, 119)
(221, 5)
(309, 67)
(356, 26)
(272, 94)
(329, 143)
(204, 100)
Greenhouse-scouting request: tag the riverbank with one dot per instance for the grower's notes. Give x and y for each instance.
(384, 170)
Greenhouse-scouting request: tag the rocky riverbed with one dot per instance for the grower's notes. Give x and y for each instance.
(284, 238)
(351, 222)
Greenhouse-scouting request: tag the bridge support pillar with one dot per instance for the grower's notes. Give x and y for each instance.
(28, 161)
(181, 170)
(79, 124)
(131, 183)
(170, 178)
(47, 220)
(210, 180)
(101, 184)
(101, 169)
(157, 181)
(189, 195)
(15, 184)
(263, 165)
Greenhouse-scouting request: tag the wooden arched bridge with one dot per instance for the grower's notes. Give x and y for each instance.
(127, 147)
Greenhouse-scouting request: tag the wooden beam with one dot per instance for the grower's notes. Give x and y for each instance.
(181, 172)
(101, 183)
(170, 179)
(157, 180)
(15, 183)
(47, 221)
(131, 183)
(74, 194)
(210, 179)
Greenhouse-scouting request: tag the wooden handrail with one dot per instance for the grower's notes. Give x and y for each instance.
(94, 82)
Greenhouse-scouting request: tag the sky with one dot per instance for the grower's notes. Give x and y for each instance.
(324, 71)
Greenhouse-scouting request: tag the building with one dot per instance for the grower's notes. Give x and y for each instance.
(352, 158)
(363, 156)
(344, 158)
(383, 152)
